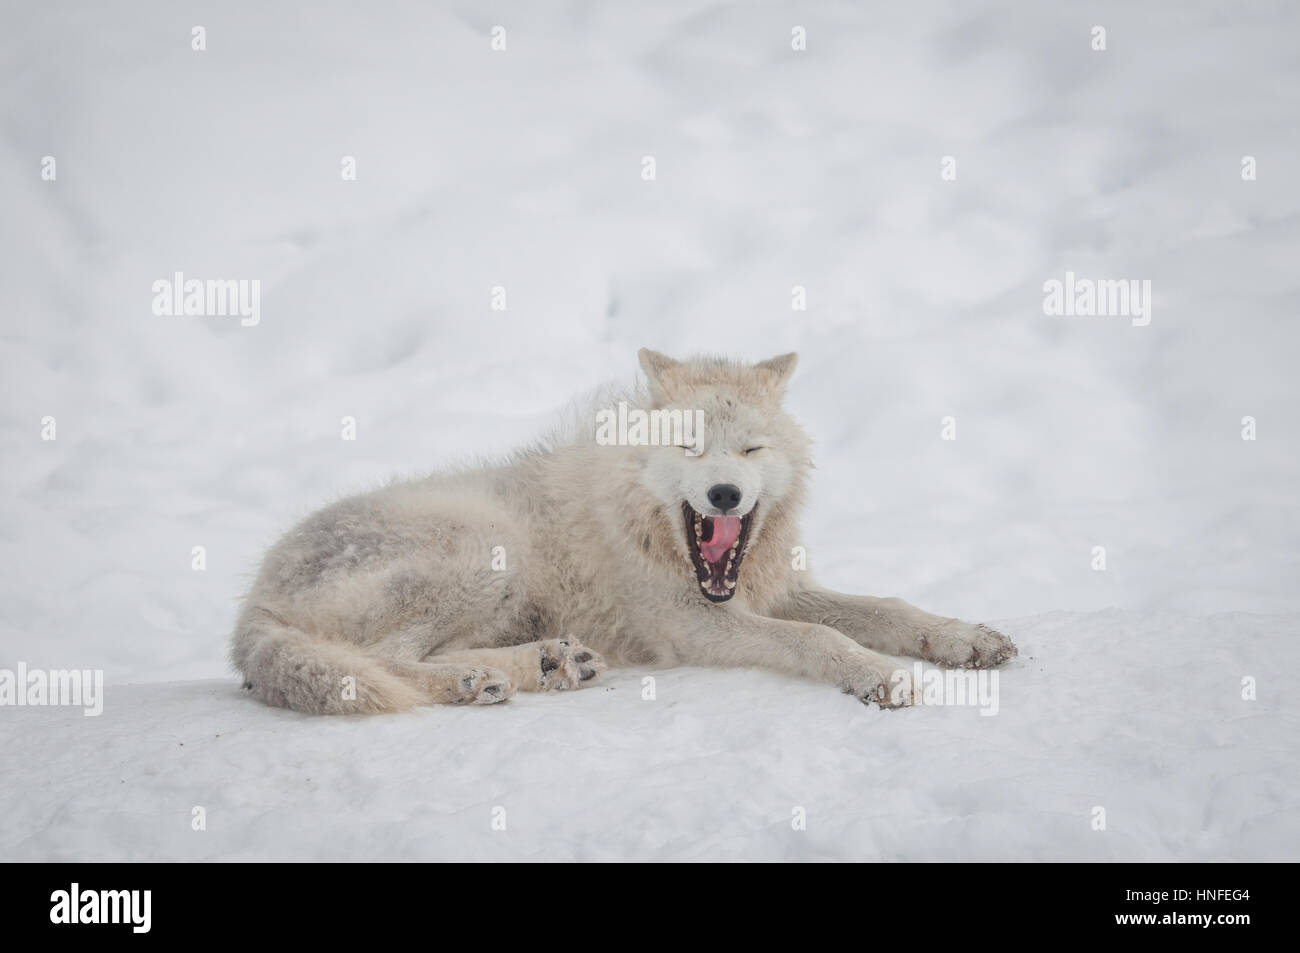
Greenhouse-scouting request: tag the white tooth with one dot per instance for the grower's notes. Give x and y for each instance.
(731, 584)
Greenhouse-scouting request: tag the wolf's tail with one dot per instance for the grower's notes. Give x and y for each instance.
(288, 668)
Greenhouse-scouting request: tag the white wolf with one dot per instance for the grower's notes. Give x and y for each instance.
(531, 575)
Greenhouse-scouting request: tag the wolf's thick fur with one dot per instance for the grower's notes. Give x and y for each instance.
(465, 587)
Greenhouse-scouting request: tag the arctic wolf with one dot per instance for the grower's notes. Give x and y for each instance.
(533, 575)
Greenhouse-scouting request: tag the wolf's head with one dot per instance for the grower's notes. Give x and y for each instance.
(731, 487)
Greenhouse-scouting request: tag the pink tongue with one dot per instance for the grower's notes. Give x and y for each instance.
(725, 531)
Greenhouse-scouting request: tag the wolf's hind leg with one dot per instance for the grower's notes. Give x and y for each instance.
(453, 683)
(548, 666)
(289, 668)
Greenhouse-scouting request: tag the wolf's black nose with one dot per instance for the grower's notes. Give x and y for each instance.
(725, 496)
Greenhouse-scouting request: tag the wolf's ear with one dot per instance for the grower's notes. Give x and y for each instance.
(657, 367)
(776, 371)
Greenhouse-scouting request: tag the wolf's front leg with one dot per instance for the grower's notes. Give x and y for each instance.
(892, 625)
(733, 638)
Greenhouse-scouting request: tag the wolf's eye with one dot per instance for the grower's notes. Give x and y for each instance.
(754, 450)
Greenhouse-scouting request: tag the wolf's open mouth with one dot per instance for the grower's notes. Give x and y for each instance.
(716, 545)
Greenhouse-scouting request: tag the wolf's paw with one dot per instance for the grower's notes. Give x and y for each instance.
(873, 684)
(483, 686)
(957, 644)
(566, 664)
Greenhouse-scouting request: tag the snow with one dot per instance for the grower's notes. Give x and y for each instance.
(774, 168)
(1140, 714)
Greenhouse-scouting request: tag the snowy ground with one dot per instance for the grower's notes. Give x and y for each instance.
(714, 767)
(774, 168)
